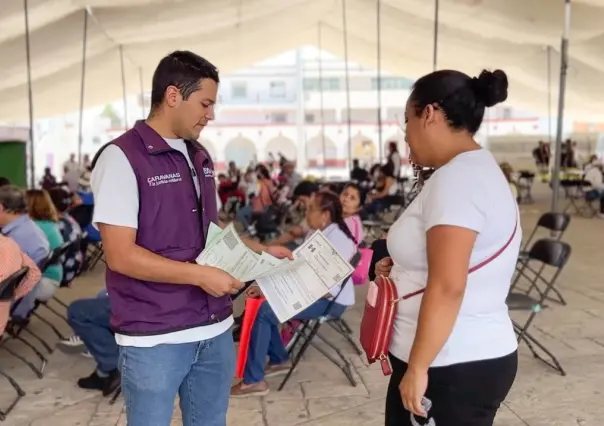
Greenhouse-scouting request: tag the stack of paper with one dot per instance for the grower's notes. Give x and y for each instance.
(290, 286)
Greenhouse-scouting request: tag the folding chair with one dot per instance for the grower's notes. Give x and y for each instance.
(557, 224)
(308, 330)
(577, 200)
(53, 258)
(74, 245)
(7, 293)
(95, 254)
(62, 251)
(525, 186)
(554, 222)
(550, 253)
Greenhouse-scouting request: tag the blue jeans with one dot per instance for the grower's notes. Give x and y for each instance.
(375, 207)
(201, 373)
(89, 319)
(266, 338)
(244, 216)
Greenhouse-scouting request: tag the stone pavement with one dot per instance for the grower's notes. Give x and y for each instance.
(318, 394)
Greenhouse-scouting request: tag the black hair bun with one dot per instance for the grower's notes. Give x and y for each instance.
(491, 88)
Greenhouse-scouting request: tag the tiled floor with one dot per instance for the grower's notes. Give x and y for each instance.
(319, 394)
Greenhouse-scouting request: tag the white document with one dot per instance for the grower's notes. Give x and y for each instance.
(227, 252)
(294, 286)
(213, 232)
(265, 264)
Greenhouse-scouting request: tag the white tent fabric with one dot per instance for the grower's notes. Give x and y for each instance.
(473, 34)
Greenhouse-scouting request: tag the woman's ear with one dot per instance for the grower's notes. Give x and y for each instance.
(429, 115)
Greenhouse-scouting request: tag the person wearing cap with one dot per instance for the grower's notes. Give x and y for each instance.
(155, 197)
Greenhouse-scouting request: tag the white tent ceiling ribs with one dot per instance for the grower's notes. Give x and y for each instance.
(474, 34)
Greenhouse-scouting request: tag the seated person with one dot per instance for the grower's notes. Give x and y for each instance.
(325, 214)
(43, 212)
(358, 174)
(15, 223)
(508, 172)
(381, 198)
(13, 259)
(351, 199)
(89, 319)
(302, 196)
(70, 231)
(292, 178)
(261, 201)
(249, 185)
(595, 177)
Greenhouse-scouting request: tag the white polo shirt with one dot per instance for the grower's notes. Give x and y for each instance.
(470, 192)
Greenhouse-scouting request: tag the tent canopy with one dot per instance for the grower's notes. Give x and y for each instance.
(473, 34)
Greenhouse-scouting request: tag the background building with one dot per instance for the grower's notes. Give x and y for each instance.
(296, 104)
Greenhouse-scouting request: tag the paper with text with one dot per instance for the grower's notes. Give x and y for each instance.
(227, 252)
(294, 286)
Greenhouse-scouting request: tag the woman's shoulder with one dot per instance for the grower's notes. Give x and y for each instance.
(7, 245)
(51, 229)
(340, 240)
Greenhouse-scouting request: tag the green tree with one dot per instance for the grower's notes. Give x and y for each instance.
(110, 113)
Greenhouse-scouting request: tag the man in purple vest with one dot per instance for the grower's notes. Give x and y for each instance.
(155, 196)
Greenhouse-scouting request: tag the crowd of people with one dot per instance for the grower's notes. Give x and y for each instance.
(39, 223)
(163, 325)
(590, 169)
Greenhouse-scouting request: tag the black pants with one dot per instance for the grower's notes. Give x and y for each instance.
(467, 394)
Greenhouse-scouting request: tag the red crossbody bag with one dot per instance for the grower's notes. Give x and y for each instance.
(378, 317)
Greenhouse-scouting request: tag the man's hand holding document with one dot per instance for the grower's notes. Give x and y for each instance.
(289, 286)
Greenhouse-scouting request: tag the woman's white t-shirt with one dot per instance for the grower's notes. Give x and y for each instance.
(470, 192)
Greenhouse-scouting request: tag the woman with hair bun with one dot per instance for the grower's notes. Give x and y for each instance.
(453, 348)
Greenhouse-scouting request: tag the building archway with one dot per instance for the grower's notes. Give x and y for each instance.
(240, 150)
(281, 145)
(364, 149)
(315, 154)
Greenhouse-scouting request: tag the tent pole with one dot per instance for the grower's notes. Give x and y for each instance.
(349, 123)
(549, 94)
(379, 78)
(124, 87)
(321, 100)
(140, 78)
(82, 88)
(32, 163)
(435, 49)
(561, 94)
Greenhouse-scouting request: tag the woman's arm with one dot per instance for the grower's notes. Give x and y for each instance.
(449, 249)
(384, 192)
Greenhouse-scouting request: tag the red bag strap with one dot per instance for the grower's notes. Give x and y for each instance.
(475, 267)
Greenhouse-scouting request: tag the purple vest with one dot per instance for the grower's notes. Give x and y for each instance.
(173, 223)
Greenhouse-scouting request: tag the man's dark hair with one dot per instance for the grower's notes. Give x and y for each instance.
(305, 189)
(183, 70)
(61, 198)
(4, 181)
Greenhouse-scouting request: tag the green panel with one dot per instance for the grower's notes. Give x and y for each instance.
(13, 162)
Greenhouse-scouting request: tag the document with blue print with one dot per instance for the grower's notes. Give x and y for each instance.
(290, 286)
